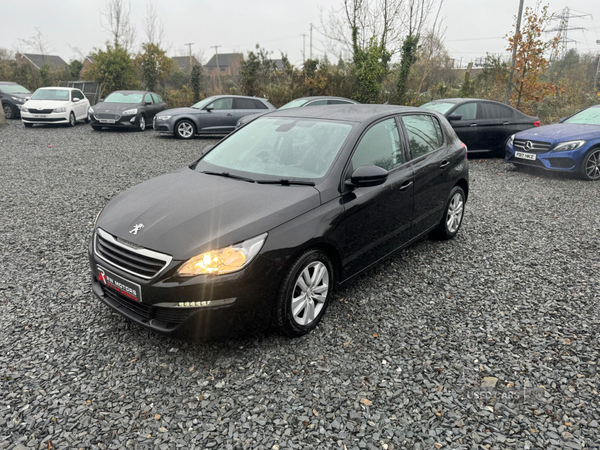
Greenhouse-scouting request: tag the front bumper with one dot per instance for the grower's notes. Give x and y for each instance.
(113, 120)
(60, 118)
(163, 126)
(235, 303)
(568, 161)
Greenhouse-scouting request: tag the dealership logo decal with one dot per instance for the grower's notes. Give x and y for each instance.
(528, 145)
(101, 275)
(137, 227)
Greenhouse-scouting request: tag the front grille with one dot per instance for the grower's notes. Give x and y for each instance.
(40, 111)
(171, 315)
(107, 116)
(43, 119)
(536, 146)
(138, 261)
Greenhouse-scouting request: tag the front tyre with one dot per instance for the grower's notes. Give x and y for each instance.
(304, 294)
(72, 120)
(9, 112)
(590, 166)
(453, 215)
(185, 129)
(141, 126)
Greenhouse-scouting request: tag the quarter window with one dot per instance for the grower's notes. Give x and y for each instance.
(222, 103)
(259, 105)
(380, 146)
(424, 134)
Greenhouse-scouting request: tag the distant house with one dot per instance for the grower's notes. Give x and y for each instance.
(87, 63)
(229, 64)
(38, 61)
(278, 64)
(184, 62)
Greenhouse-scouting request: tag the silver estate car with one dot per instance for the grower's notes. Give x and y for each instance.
(213, 115)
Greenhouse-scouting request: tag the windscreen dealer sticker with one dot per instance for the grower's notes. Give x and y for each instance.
(119, 284)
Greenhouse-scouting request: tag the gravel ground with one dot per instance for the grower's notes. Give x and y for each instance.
(487, 341)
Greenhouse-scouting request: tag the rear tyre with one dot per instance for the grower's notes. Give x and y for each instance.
(185, 129)
(453, 215)
(27, 125)
(72, 120)
(590, 166)
(141, 126)
(304, 294)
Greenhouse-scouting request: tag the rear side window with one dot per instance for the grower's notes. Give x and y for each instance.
(493, 111)
(222, 103)
(424, 134)
(468, 111)
(259, 105)
(243, 103)
(380, 146)
(339, 102)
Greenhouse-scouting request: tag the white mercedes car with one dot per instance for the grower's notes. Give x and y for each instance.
(55, 105)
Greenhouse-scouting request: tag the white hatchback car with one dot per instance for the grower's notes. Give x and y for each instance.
(55, 105)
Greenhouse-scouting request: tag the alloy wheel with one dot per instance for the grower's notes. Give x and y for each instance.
(455, 212)
(310, 293)
(592, 165)
(142, 124)
(8, 112)
(185, 130)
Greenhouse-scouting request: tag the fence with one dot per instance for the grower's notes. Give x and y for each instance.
(90, 89)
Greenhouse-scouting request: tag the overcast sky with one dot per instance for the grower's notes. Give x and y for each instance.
(473, 27)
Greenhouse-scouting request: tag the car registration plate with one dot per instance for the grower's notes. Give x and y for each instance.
(529, 156)
(107, 121)
(40, 116)
(119, 284)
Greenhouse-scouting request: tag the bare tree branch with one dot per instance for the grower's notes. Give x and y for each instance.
(115, 19)
(153, 26)
(38, 43)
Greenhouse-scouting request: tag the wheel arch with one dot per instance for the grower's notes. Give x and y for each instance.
(465, 187)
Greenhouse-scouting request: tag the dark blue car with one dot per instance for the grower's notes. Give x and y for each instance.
(570, 146)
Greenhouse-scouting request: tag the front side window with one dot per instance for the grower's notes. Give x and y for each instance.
(221, 104)
(317, 103)
(424, 134)
(156, 98)
(281, 148)
(76, 94)
(148, 98)
(380, 146)
(468, 111)
(51, 94)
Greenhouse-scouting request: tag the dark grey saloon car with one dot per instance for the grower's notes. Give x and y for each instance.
(213, 115)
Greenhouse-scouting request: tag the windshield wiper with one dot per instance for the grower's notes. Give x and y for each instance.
(228, 175)
(286, 182)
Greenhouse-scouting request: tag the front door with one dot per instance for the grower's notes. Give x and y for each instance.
(378, 218)
(218, 117)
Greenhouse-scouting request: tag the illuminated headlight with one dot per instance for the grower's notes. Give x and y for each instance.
(511, 140)
(59, 110)
(24, 109)
(91, 110)
(18, 99)
(130, 112)
(224, 260)
(570, 145)
(163, 117)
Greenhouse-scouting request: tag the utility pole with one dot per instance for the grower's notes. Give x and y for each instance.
(190, 47)
(303, 46)
(563, 28)
(216, 47)
(514, 54)
(311, 27)
(597, 78)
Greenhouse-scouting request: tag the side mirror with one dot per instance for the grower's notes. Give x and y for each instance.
(365, 176)
(209, 108)
(455, 117)
(27, 98)
(75, 100)
(562, 119)
(147, 103)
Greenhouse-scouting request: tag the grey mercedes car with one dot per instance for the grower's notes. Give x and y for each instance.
(213, 115)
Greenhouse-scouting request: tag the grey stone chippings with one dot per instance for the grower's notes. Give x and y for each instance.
(398, 362)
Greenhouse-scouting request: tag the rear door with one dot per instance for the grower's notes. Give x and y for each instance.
(500, 124)
(218, 117)
(243, 107)
(378, 218)
(431, 161)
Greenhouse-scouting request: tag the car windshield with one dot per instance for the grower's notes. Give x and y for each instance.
(590, 116)
(51, 94)
(13, 89)
(287, 148)
(294, 103)
(438, 106)
(124, 97)
(202, 103)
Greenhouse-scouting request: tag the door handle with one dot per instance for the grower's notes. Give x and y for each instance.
(505, 123)
(229, 115)
(473, 125)
(444, 165)
(405, 185)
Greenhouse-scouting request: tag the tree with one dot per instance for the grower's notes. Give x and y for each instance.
(153, 27)
(530, 60)
(256, 72)
(113, 69)
(38, 43)
(75, 67)
(115, 19)
(154, 65)
(197, 82)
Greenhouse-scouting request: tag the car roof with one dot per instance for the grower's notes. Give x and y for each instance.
(57, 87)
(349, 113)
(465, 100)
(128, 91)
(7, 82)
(237, 96)
(324, 97)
